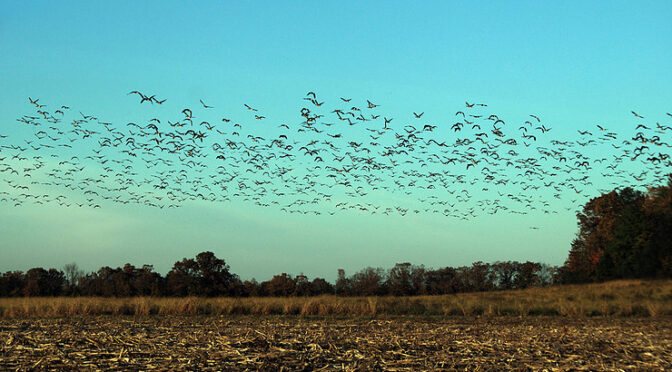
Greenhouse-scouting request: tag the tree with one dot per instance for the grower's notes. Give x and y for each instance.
(596, 233)
(504, 274)
(477, 278)
(405, 279)
(547, 275)
(215, 277)
(658, 207)
(72, 273)
(622, 234)
(206, 275)
(303, 287)
(251, 288)
(146, 282)
(280, 285)
(368, 282)
(442, 281)
(527, 275)
(11, 284)
(321, 286)
(40, 282)
(343, 285)
(182, 279)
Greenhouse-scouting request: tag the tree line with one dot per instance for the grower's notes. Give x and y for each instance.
(622, 234)
(209, 276)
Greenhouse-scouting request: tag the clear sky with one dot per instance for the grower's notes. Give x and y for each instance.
(575, 64)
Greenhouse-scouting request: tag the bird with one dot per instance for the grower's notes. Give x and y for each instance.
(270, 171)
(204, 105)
(387, 121)
(143, 98)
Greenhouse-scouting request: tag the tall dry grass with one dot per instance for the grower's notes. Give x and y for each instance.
(617, 298)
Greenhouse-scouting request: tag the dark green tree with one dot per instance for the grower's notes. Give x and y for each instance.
(622, 234)
(41, 282)
(206, 275)
(11, 284)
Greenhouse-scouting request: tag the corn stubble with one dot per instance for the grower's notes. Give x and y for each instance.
(299, 343)
(622, 325)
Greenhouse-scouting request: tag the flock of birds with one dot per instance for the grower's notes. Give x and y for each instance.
(351, 157)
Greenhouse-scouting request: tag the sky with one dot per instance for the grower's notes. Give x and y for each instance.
(574, 64)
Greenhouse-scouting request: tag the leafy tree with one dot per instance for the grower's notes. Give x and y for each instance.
(527, 275)
(442, 281)
(280, 285)
(476, 278)
(183, 279)
(41, 282)
(343, 285)
(146, 282)
(369, 282)
(303, 287)
(206, 275)
(11, 284)
(658, 207)
(405, 279)
(252, 288)
(622, 234)
(321, 286)
(504, 274)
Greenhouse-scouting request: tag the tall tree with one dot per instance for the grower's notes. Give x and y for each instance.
(622, 234)
(206, 275)
(72, 273)
(368, 282)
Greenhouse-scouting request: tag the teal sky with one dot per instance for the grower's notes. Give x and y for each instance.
(574, 64)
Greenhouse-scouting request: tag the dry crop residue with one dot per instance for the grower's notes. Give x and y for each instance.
(295, 343)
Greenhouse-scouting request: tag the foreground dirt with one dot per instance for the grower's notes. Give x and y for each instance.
(247, 343)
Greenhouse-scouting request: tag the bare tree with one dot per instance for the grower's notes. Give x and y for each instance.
(72, 273)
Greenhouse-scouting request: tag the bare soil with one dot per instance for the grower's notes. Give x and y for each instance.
(298, 343)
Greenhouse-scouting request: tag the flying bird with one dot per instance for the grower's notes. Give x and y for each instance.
(204, 105)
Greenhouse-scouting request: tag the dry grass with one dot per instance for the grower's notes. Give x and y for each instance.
(617, 298)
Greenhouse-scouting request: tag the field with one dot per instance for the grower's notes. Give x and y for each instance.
(623, 325)
(297, 343)
(617, 298)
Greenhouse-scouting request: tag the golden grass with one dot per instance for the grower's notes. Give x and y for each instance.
(616, 298)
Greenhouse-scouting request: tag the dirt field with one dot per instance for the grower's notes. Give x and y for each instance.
(296, 343)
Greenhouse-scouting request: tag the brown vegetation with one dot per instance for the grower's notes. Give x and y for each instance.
(295, 343)
(616, 298)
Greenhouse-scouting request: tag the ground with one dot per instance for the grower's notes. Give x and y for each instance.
(303, 343)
